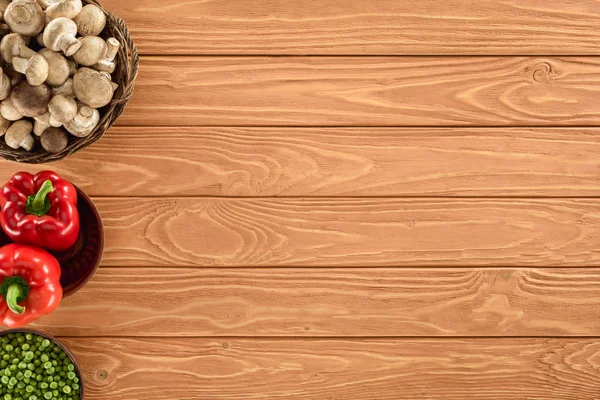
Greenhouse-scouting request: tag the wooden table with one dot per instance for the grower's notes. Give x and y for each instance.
(349, 200)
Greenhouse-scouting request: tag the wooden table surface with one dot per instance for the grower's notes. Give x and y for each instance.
(347, 200)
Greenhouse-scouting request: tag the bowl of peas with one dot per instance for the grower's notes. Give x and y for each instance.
(37, 366)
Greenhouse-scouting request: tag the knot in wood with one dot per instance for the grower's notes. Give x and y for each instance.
(542, 72)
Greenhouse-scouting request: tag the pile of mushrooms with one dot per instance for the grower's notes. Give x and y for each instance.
(55, 71)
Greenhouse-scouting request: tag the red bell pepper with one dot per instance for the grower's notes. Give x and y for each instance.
(40, 210)
(30, 284)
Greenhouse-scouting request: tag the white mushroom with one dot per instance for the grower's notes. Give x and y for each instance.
(14, 43)
(54, 140)
(64, 8)
(59, 67)
(90, 21)
(93, 49)
(41, 123)
(31, 101)
(40, 39)
(36, 68)
(5, 85)
(92, 87)
(25, 17)
(60, 36)
(65, 89)
(84, 122)
(62, 110)
(8, 111)
(3, 5)
(108, 64)
(4, 125)
(19, 135)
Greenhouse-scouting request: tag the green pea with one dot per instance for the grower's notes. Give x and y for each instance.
(27, 374)
(71, 375)
(29, 388)
(22, 365)
(71, 367)
(5, 379)
(7, 396)
(25, 346)
(45, 343)
(12, 381)
(29, 356)
(53, 385)
(50, 370)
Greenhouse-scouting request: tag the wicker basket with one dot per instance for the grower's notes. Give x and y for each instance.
(125, 75)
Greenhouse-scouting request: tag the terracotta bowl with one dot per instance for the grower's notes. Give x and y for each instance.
(59, 344)
(79, 264)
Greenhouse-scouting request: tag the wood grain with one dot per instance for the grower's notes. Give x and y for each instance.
(365, 91)
(332, 302)
(336, 162)
(384, 27)
(391, 369)
(350, 232)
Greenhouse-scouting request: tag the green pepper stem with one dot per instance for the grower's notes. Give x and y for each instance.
(39, 204)
(13, 293)
(40, 197)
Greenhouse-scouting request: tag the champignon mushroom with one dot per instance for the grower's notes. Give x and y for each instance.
(64, 8)
(108, 64)
(62, 110)
(8, 110)
(31, 101)
(25, 17)
(93, 49)
(92, 87)
(12, 41)
(40, 39)
(60, 67)
(60, 36)
(4, 125)
(84, 122)
(36, 68)
(41, 123)
(19, 135)
(65, 89)
(4, 30)
(90, 21)
(3, 5)
(54, 140)
(5, 85)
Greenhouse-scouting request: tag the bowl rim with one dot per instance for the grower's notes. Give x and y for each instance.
(60, 344)
(100, 246)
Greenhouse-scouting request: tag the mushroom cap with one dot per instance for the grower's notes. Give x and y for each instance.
(17, 132)
(59, 70)
(65, 8)
(8, 111)
(54, 140)
(93, 49)
(84, 122)
(25, 17)
(5, 85)
(90, 21)
(36, 68)
(92, 88)
(63, 109)
(8, 44)
(4, 125)
(55, 34)
(31, 101)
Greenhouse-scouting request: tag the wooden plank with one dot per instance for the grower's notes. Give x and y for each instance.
(350, 232)
(365, 91)
(385, 27)
(336, 162)
(332, 302)
(241, 369)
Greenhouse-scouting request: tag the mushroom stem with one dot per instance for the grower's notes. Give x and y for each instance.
(27, 143)
(41, 123)
(36, 68)
(108, 64)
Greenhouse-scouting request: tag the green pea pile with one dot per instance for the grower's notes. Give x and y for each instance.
(34, 368)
